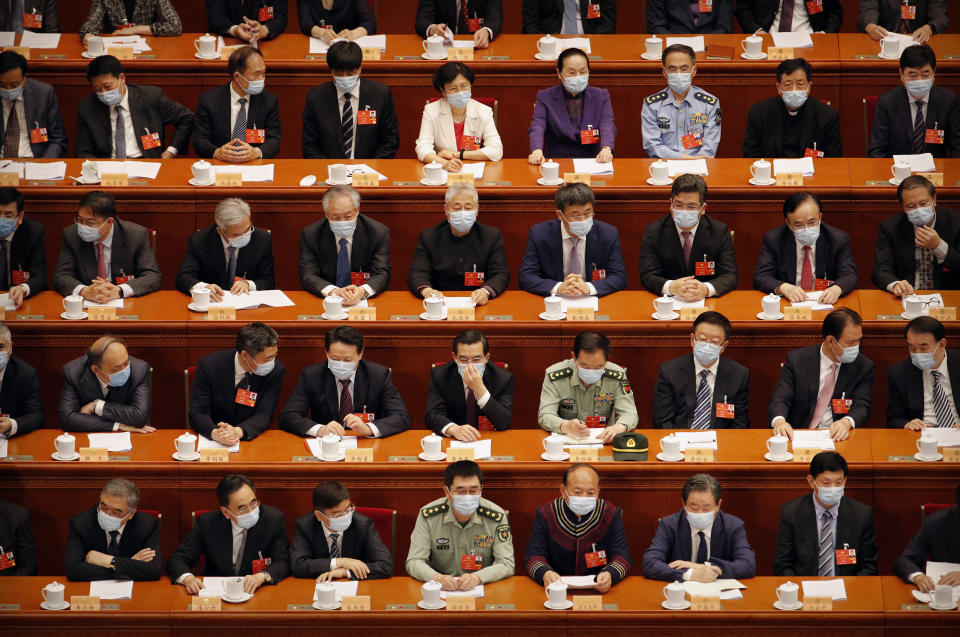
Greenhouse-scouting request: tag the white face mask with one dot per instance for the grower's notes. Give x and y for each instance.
(108, 522)
(581, 505)
(248, 520)
(340, 524)
(465, 504)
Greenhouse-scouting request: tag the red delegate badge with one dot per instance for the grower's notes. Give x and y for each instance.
(124, 278)
(813, 152)
(366, 416)
(693, 140)
(821, 284)
(705, 268)
(245, 397)
(32, 20)
(484, 424)
(7, 561)
(842, 405)
(469, 142)
(846, 556)
(598, 275)
(934, 136)
(725, 410)
(814, 7)
(596, 422)
(359, 278)
(706, 6)
(19, 276)
(595, 559)
(590, 136)
(474, 24)
(261, 564)
(256, 135)
(472, 279)
(38, 135)
(366, 118)
(593, 11)
(908, 12)
(264, 14)
(150, 140)
(471, 562)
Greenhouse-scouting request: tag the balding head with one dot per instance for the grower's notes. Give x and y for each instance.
(108, 355)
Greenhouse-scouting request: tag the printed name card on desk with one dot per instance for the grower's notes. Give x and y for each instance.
(218, 313)
(229, 179)
(790, 179)
(114, 180)
(944, 313)
(934, 178)
(205, 604)
(797, 314)
(9, 179)
(804, 454)
(780, 53)
(214, 455)
(461, 314)
(460, 53)
(227, 51)
(704, 602)
(699, 455)
(364, 180)
(580, 314)
(121, 52)
(455, 454)
(584, 454)
(818, 602)
(94, 454)
(576, 178)
(951, 454)
(691, 313)
(362, 313)
(359, 455)
(84, 602)
(588, 602)
(370, 53)
(461, 602)
(108, 313)
(459, 178)
(356, 602)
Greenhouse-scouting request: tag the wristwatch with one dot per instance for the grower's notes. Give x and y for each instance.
(113, 563)
(461, 154)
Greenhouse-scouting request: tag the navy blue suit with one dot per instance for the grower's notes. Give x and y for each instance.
(542, 266)
(729, 548)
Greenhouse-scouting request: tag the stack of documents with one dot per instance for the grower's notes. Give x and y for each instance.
(936, 570)
(696, 43)
(687, 166)
(46, 171)
(591, 166)
(804, 166)
(697, 440)
(813, 302)
(825, 588)
(813, 439)
(368, 41)
(117, 303)
(111, 442)
(133, 169)
(482, 449)
(36, 40)
(248, 173)
(137, 42)
(271, 298)
(476, 591)
(922, 163)
(112, 589)
(795, 40)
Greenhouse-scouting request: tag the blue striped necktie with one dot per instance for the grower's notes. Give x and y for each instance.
(701, 415)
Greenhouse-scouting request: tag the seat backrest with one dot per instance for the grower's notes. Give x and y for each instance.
(869, 110)
(188, 375)
(930, 508)
(385, 520)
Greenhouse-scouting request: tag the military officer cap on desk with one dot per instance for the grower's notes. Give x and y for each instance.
(630, 446)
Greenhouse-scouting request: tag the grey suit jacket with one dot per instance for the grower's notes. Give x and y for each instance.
(886, 13)
(129, 404)
(131, 254)
(42, 111)
(51, 21)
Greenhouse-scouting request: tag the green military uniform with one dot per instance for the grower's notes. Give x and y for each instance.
(565, 397)
(438, 543)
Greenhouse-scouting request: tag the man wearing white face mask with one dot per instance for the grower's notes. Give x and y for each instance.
(31, 125)
(113, 540)
(920, 248)
(461, 540)
(925, 388)
(700, 543)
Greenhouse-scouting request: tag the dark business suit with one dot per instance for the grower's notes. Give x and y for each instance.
(670, 16)
(345, 14)
(315, 400)
(936, 541)
(894, 257)
(48, 8)
(552, 132)
(129, 404)
(150, 109)
(542, 265)
(223, 14)
(212, 538)
(16, 535)
(906, 390)
(213, 396)
(777, 263)
(759, 14)
(546, 16)
(213, 127)
(205, 261)
(445, 12)
(142, 531)
(310, 551)
(441, 259)
(321, 137)
(795, 396)
(446, 397)
(892, 132)
(27, 253)
(886, 13)
(41, 110)
(819, 125)
(20, 396)
(370, 253)
(661, 254)
(798, 538)
(131, 254)
(729, 548)
(675, 394)
(106, 16)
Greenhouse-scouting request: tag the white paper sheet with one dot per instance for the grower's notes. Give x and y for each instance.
(347, 442)
(813, 302)
(482, 449)
(592, 166)
(248, 173)
(206, 443)
(348, 589)
(112, 589)
(117, 303)
(576, 582)
(6, 303)
(697, 440)
(476, 169)
(680, 305)
(922, 163)
(692, 166)
(567, 301)
(731, 594)
(6, 38)
(459, 44)
(40, 40)
(906, 41)
(591, 441)
(813, 439)
(273, 298)
(133, 169)
(804, 165)
(270, 298)
(112, 441)
(363, 169)
(370, 41)
(795, 39)
(696, 42)
(945, 436)
(458, 301)
(477, 591)
(936, 570)
(53, 171)
(137, 42)
(574, 43)
(8, 166)
(3, 447)
(215, 585)
(823, 588)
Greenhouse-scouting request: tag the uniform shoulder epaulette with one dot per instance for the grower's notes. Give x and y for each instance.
(561, 373)
(656, 97)
(437, 509)
(704, 97)
(612, 373)
(496, 516)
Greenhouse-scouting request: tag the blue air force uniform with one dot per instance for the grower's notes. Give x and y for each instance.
(666, 123)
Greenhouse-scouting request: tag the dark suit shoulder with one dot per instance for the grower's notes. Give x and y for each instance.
(21, 367)
(860, 509)
(716, 226)
(375, 369)
(731, 366)
(218, 360)
(901, 369)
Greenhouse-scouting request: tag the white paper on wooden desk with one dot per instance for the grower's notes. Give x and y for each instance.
(823, 588)
(936, 570)
(458, 44)
(7, 166)
(574, 43)
(117, 303)
(930, 300)
(578, 582)
(793, 39)
(687, 166)
(590, 302)
(206, 443)
(680, 305)
(813, 439)
(3, 447)
(273, 298)
(474, 168)
(6, 38)
(459, 301)
(247, 173)
(905, 41)
(137, 42)
(119, 441)
(482, 449)
(112, 589)
(591, 166)
(921, 163)
(945, 436)
(6, 303)
(363, 169)
(697, 440)
(813, 302)
(40, 40)
(347, 442)
(348, 589)
(696, 43)
(133, 169)
(476, 591)
(46, 171)
(804, 166)
(369, 41)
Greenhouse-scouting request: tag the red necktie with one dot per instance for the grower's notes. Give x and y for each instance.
(806, 273)
(687, 246)
(823, 400)
(786, 16)
(101, 263)
(471, 408)
(346, 402)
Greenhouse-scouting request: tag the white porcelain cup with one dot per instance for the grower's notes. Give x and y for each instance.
(777, 446)
(654, 47)
(557, 593)
(670, 446)
(206, 45)
(433, 306)
(788, 593)
(771, 305)
(674, 593)
(201, 298)
(433, 46)
(95, 45)
(431, 445)
(663, 306)
(431, 593)
(333, 306)
(900, 170)
(752, 46)
(90, 170)
(66, 445)
(233, 586)
(659, 170)
(330, 446)
(550, 170)
(53, 594)
(760, 170)
(73, 305)
(326, 595)
(943, 596)
(890, 47)
(553, 446)
(913, 307)
(927, 447)
(553, 306)
(337, 173)
(433, 172)
(186, 444)
(547, 46)
(202, 172)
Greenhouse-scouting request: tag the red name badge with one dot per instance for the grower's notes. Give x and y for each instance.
(706, 6)
(32, 20)
(474, 24)
(261, 564)
(725, 410)
(598, 275)
(593, 11)
(264, 14)
(693, 140)
(821, 284)
(238, 278)
(125, 278)
(245, 397)
(934, 136)
(590, 136)
(7, 561)
(596, 422)
(19, 276)
(366, 416)
(842, 405)
(595, 559)
(38, 135)
(359, 278)
(471, 562)
(907, 12)
(846, 556)
(472, 279)
(814, 7)
(150, 140)
(366, 118)
(256, 135)
(469, 142)
(813, 152)
(705, 268)
(484, 424)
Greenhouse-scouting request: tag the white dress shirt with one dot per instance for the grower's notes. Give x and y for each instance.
(481, 403)
(13, 423)
(107, 250)
(374, 432)
(336, 240)
(695, 547)
(132, 138)
(25, 149)
(581, 252)
(226, 259)
(800, 21)
(10, 264)
(354, 104)
(665, 291)
(813, 261)
(929, 413)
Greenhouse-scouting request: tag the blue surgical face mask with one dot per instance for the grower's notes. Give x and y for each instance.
(465, 504)
(119, 379)
(343, 229)
(795, 99)
(590, 376)
(248, 520)
(685, 218)
(924, 360)
(346, 84)
(7, 226)
(11, 94)
(265, 368)
(254, 87)
(919, 88)
(462, 220)
(108, 522)
(808, 236)
(830, 496)
(88, 233)
(679, 82)
(581, 505)
(920, 216)
(706, 353)
(462, 367)
(849, 354)
(340, 524)
(700, 521)
(459, 100)
(241, 241)
(4, 358)
(576, 84)
(582, 227)
(342, 370)
(111, 97)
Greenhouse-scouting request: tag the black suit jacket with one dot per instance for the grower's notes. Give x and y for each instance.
(894, 257)
(310, 552)
(213, 396)
(142, 531)
(16, 534)
(212, 538)
(149, 108)
(370, 253)
(27, 253)
(886, 13)
(129, 404)
(445, 12)
(441, 259)
(675, 394)
(777, 263)
(130, 254)
(212, 126)
(661, 254)
(798, 539)
(892, 132)
(321, 137)
(670, 16)
(759, 14)
(819, 124)
(906, 390)
(205, 260)
(546, 16)
(20, 396)
(40, 107)
(223, 14)
(314, 400)
(345, 14)
(446, 400)
(795, 396)
(936, 541)
(47, 7)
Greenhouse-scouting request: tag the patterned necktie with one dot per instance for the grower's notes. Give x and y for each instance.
(120, 136)
(471, 408)
(334, 546)
(346, 126)
(925, 270)
(702, 548)
(243, 545)
(11, 139)
(573, 261)
(786, 16)
(463, 24)
(687, 246)
(231, 266)
(825, 556)
(806, 272)
(240, 125)
(695, 12)
(823, 400)
(919, 130)
(114, 547)
(570, 10)
(701, 415)
(343, 265)
(4, 274)
(346, 402)
(941, 404)
(101, 262)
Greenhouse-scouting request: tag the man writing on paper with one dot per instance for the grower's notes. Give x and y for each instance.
(23, 259)
(21, 406)
(925, 388)
(482, 18)
(937, 542)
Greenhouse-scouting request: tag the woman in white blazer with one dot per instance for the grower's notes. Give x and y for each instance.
(456, 127)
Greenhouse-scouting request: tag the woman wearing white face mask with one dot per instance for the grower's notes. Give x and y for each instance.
(456, 127)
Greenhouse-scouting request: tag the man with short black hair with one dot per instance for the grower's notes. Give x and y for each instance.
(21, 406)
(23, 257)
(31, 125)
(925, 388)
(937, 542)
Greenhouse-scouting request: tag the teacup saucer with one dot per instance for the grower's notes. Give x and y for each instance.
(781, 606)
(558, 317)
(887, 57)
(75, 456)
(541, 56)
(909, 317)
(430, 57)
(86, 181)
(893, 181)
(567, 603)
(194, 182)
(549, 182)
(647, 56)
(563, 456)
(766, 317)
(665, 317)
(427, 182)
(441, 604)
(327, 317)
(934, 606)
(194, 456)
(331, 182)
(192, 306)
(773, 458)
(660, 456)
(657, 182)
(340, 456)
(215, 56)
(90, 56)
(755, 182)
(935, 458)
(334, 607)
(67, 317)
(762, 56)
(64, 606)
(237, 600)
(423, 315)
(424, 456)
(684, 605)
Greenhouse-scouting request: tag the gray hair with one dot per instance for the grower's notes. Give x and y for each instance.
(120, 488)
(340, 191)
(231, 211)
(702, 482)
(5, 333)
(255, 338)
(461, 188)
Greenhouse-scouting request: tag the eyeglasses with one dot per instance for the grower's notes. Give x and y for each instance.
(90, 223)
(342, 514)
(589, 215)
(244, 508)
